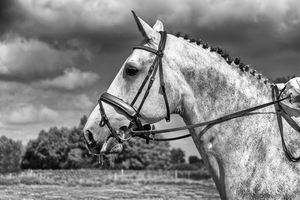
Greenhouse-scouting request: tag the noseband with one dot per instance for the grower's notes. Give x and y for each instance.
(129, 110)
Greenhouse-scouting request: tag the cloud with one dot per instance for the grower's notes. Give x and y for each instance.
(108, 26)
(26, 123)
(82, 102)
(70, 80)
(69, 14)
(9, 14)
(29, 60)
(217, 12)
(55, 20)
(15, 93)
(23, 103)
(27, 114)
(58, 22)
(27, 109)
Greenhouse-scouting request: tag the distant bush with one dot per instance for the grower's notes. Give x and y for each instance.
(194, 160)
(194, 175)
(183, 166)
(177, 156)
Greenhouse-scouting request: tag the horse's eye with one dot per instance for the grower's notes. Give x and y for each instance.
(131, 71)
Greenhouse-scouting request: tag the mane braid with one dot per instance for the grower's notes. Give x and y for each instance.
(237, 61)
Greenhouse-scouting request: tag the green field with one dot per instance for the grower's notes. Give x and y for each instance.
(105, 184)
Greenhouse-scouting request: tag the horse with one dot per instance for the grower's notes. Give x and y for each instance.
(201, 82)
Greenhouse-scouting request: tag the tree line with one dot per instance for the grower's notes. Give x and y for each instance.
(65, 148)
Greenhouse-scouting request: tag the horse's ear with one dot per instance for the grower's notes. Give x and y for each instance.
(144, 28)
(158, 26)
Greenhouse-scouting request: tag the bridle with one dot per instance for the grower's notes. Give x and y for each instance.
(146, 133)
(129, 110)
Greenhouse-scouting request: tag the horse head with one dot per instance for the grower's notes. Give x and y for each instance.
(137, 96)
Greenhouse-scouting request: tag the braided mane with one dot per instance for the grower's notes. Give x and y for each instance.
(225, 55)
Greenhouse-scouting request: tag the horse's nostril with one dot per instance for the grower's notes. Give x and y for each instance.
(89, 138)
(91, 143)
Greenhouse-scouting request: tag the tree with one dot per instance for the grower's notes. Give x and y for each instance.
(66, 149)
(48, 151)
(194, 160)
(177, 156)
(59, 149)
(78, 154)
(82, 123)
(74, 159)
(10, 155)
(139, 155)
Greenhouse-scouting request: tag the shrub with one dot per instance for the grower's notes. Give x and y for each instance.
(195, 175)
(183, 166)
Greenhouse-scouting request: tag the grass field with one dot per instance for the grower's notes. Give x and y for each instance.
(104, 184)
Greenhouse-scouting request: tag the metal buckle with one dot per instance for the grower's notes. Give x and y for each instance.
(160, 53)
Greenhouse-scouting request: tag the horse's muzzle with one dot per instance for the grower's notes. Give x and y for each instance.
(111, 146)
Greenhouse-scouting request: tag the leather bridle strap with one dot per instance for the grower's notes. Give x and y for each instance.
(104, 121)
(157, 63)
(281, 113)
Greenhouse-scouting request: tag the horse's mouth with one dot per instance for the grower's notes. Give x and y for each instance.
(111, 146)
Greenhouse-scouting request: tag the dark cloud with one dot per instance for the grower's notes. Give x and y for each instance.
(71, 80)
(31, 60)
(8, 15)
(64, 25)
(105, 27)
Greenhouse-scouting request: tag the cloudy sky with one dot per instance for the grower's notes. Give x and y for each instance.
(58, 56)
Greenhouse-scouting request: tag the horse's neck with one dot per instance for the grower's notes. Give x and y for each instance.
(244, 155)
(218, 88)
(215, 89)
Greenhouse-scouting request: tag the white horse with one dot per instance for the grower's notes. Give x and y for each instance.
(244, 155)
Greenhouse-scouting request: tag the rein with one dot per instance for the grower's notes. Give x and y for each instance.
(136, 129)
(208, 124)
(281, 113)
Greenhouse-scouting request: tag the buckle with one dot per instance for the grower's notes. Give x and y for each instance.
(159, 53)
